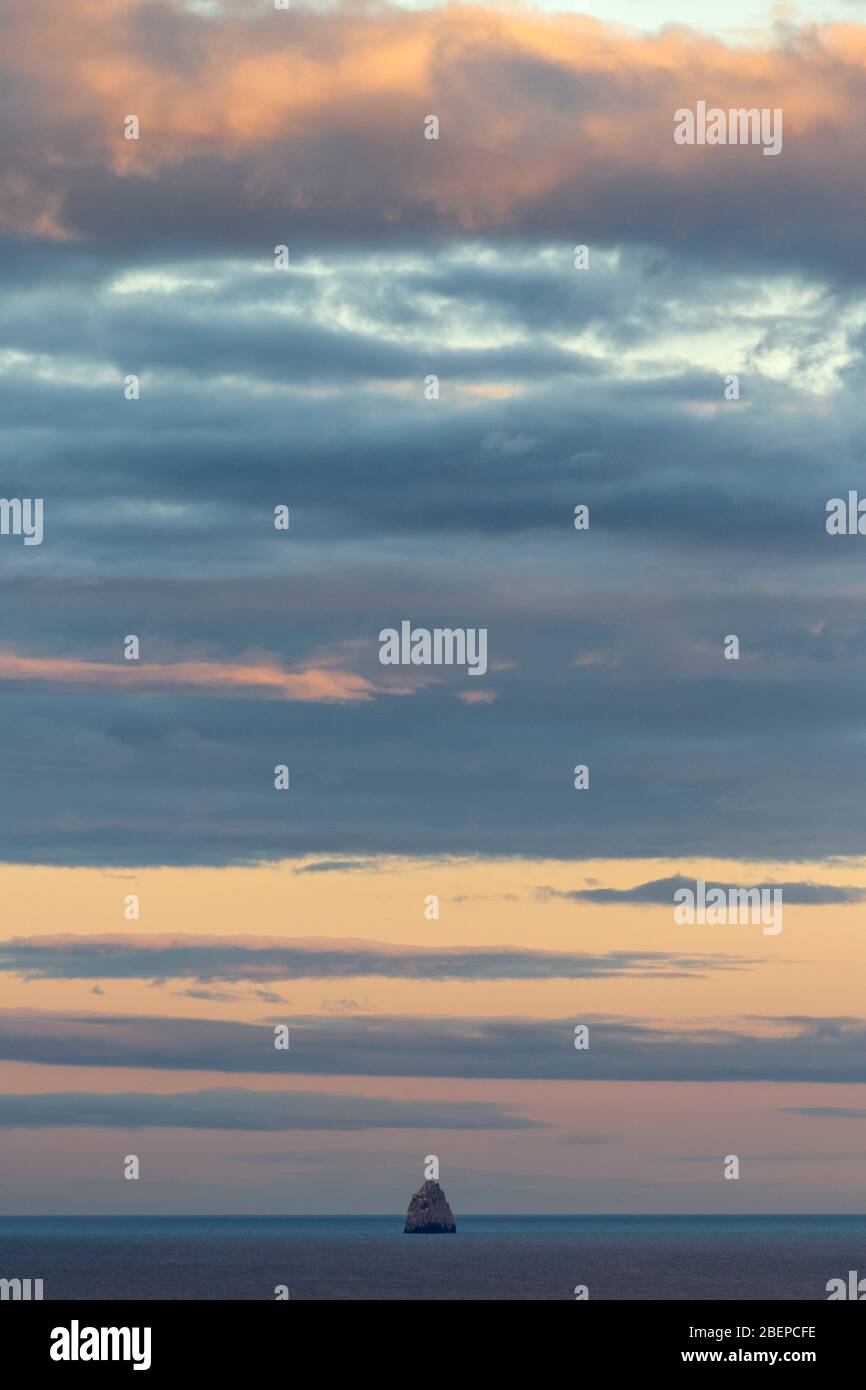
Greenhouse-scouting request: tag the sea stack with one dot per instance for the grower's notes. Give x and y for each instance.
(429, 1212)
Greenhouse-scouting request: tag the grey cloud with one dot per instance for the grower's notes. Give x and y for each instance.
(476, 1048)
(232, 959)
(306, 174)
(781, 1156)
(677, 482)
(234, 1109)
(336, 866)
(715, 757)
(590, 1140)
(341, 1006)
(660, 891)
(217, 995)
(825, 1112)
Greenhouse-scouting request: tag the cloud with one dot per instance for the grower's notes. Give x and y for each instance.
(590, 1140)
(203, 773)
(155, 257)
(830, 1050)
(218, 677)
(783, 1156)
(264, 958)
(233, 1109)
(660, 891)
(229, 151)
(221, 996)
(342, 1006)
(825, 1112)
(336, 866)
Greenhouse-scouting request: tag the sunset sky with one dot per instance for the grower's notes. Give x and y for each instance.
(413, 1035)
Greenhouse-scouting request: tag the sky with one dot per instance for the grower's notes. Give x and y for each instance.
(166, 908)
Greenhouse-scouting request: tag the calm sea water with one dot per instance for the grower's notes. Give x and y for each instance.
(491, 1257)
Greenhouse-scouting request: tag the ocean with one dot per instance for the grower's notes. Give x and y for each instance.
(490, 1257)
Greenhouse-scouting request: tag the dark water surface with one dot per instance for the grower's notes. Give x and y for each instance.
(490, 1257)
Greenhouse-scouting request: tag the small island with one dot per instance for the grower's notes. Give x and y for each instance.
(429, 1212)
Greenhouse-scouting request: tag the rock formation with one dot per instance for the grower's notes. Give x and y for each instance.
(429, 1212)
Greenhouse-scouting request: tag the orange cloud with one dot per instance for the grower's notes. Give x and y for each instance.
(315, 684)
(313, 111)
